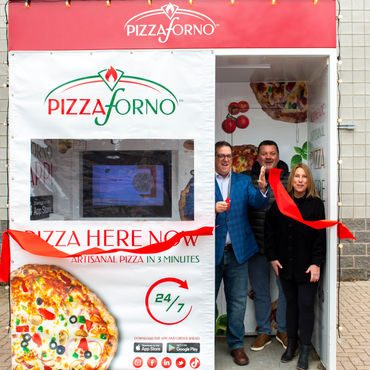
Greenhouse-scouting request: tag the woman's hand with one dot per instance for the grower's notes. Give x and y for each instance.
(315, 273)
(276, 265)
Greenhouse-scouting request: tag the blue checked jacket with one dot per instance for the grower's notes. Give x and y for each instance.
(235, 220)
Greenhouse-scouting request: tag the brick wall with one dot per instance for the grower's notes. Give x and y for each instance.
(355, 256)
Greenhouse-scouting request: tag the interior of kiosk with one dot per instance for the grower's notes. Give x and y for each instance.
(235, 77)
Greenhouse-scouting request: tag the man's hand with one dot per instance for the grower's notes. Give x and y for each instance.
(276, 265)
(315, 273)
(221, 207)
(262, 180)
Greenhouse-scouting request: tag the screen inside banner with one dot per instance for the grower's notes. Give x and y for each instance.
(109, 178)
(127, 183)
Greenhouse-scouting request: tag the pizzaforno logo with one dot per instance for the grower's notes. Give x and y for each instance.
(122, 94)
(169, 20)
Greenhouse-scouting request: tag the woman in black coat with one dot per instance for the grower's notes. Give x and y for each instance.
(296, 253)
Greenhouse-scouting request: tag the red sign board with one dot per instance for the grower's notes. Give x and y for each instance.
(207, 24)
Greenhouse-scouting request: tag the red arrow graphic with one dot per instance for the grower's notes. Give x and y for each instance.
(182, 284)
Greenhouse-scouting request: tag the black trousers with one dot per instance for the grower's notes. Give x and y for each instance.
(300, 298)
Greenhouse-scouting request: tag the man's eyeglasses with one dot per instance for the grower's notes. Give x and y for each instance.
(224, 156)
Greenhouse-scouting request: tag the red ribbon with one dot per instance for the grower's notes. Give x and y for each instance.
(33, 244)
(288, 208)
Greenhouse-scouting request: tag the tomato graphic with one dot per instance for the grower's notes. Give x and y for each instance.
(229, 125)
(243, 106)
(233, 108)
(242, 121)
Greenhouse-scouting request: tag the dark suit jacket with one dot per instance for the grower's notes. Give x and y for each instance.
(235, 220)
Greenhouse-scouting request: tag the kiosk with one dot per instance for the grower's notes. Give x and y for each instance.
(114, 111)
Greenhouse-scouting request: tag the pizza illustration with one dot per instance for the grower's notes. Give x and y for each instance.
(244, 157)
(57, 322)
(282, 101)
(143, 182)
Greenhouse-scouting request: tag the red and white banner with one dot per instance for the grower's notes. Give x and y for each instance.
(47, 25)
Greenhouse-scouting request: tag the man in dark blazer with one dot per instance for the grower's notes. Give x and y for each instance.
(235, 242)
(258, 266)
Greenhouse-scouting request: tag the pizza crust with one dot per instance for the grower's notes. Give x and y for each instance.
(44, 299)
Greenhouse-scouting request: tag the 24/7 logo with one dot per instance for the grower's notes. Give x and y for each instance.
(122, 94)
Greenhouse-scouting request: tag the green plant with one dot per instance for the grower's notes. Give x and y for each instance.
(221, 324)
(300, 156)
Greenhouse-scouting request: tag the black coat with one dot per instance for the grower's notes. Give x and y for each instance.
(257, 216)
(294, 244)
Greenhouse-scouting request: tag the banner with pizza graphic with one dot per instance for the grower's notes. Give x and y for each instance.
(111, 169)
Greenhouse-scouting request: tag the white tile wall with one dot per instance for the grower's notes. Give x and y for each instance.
(348, 175)
(359, 115)
(347, 212)
(359, 188)
(347, 187)
(355, 73)
(359, 212)
(358, 15)
(357, 4)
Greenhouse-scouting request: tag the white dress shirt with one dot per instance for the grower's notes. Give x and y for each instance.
(224, 185)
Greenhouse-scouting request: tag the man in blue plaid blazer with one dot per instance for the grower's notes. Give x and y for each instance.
(235, 242)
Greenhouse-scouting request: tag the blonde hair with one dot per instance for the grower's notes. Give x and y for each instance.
(311, 189)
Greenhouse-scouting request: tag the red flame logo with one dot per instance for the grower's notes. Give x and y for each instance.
(111, 73)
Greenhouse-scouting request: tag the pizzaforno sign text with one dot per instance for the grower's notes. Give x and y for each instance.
(122, 95)
(169, 20)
